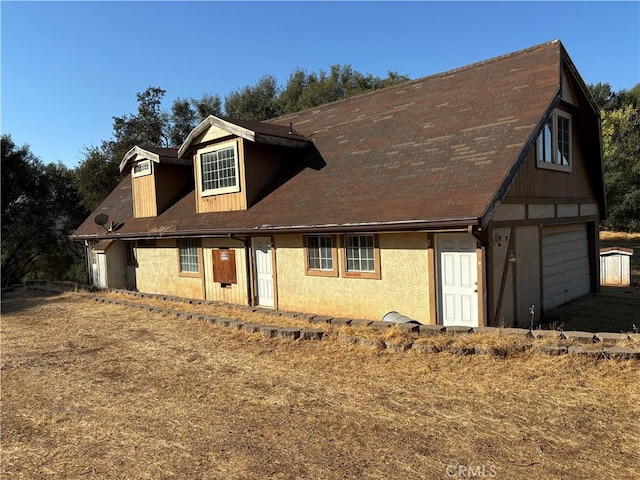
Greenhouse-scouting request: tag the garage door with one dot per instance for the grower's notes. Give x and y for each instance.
(565, 264)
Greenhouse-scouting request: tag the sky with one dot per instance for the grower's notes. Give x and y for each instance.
(67, 68)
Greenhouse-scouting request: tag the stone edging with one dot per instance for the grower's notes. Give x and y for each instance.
(606, 340)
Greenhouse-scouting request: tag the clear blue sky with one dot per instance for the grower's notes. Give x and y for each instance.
(69, 67)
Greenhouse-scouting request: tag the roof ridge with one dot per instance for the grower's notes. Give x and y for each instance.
(422, 79)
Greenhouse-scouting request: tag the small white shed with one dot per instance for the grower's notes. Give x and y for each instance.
(615, 266)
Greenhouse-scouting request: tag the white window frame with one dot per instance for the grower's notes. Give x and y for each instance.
(220, 190)
(142, 171)
(547, 144)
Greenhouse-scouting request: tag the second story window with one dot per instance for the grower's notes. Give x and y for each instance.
(219, 170)
(142, 168)
(553, 146)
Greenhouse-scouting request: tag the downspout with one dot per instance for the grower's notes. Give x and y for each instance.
(247, 258)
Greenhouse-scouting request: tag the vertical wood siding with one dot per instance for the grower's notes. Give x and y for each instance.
(534, 182)
(235, 293)
(228, 201)
(144, 196)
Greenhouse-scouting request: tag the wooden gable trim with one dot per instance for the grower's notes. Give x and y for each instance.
(239, 131)
(136, 152)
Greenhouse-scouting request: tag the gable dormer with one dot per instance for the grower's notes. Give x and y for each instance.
(233, 160)
(157, 177)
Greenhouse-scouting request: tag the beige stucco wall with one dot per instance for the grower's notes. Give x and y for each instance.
(403, 286)
(158, 272)
(235, 293)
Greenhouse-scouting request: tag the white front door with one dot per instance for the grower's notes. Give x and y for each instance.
(458, 279)
(263, 271)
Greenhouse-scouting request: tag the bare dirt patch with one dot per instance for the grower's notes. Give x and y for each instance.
(97, 391)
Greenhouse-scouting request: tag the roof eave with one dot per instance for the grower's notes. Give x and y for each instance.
(456, 224)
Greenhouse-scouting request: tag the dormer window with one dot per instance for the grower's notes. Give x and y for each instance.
(219, 169)
(553, 146)
(142, 168)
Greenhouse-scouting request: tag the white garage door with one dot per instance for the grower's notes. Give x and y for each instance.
(565, 264)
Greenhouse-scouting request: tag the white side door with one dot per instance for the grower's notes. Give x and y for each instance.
(263, 271)
(458, 279)
(102, 270)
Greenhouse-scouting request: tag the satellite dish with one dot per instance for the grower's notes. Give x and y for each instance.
(101, 219)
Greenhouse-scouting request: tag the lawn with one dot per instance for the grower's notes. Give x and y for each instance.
(100, 391)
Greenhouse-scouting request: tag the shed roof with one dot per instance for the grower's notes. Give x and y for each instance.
(616, 250)
(429, 153)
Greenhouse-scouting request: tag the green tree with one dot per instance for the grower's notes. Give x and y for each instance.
(40, 208)
(207, 105)
(149, 127)
(183, 119)
(621, 146)
(311, 90)
(97, 174)
(186, 114)
(259, 102)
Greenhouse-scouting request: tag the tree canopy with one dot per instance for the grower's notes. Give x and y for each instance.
(621, 149)
(40, 208)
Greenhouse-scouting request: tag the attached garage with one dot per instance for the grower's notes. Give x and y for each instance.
(565, 264)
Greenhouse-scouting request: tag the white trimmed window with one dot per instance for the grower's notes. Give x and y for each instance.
(553, 146)
(361, 256)
(142, 168)
(219, 170)
(188, 252)
(321, 256)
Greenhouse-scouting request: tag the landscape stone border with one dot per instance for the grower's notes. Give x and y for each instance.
(605, 340)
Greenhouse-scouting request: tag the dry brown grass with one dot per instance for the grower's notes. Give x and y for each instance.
(98, 391)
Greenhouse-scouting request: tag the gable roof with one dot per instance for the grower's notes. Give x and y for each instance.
(155, 154)
(249, 130)
(437, 152)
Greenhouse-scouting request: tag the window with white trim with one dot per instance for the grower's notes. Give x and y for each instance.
(553, 146)
(219, 170)
(188, 252)
(142, 168)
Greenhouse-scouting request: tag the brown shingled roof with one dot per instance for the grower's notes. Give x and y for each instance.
(429, 152)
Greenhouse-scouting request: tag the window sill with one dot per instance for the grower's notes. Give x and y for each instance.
(369, 275)
(190, 274)
(553, 166)
(321, 273)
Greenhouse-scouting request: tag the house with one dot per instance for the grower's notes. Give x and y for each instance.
(464, 198)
